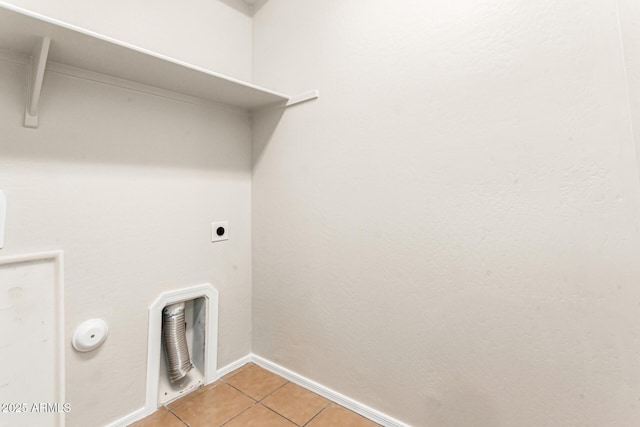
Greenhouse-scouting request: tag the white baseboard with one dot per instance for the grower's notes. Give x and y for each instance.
(353, 405)
(128, 419)
(234, 365)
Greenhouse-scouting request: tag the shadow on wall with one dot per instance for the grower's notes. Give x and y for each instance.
(239, 6)
(88, 122)
(462, 406)
(258, 4)
(264, 125)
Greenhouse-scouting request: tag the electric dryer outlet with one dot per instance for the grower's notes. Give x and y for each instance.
(219, 231)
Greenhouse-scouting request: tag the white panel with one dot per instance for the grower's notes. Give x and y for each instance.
(28, 341)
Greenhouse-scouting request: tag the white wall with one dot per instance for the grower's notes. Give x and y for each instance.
(450, 233)
(214, 34)
(127, 183)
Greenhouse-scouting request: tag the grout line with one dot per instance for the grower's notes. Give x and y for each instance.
(178, 417)
(278, 413)
(319, 412)
(251, 397)
(238, 414)
(332, 396)
(260, 401)
(232, 386)
(339, 399)
(284, 416)
(270, 393)
(255, 401)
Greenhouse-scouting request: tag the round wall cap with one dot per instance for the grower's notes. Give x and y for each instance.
(90, 335)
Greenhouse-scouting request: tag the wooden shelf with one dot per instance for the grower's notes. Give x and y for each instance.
(23, 32)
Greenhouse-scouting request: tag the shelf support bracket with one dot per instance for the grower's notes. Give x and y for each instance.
(38, 65)
(307, 96)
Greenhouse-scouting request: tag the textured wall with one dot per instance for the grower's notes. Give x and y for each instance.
(127, 184)
(450, 233)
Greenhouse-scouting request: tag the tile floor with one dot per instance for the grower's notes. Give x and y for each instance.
(253, 397)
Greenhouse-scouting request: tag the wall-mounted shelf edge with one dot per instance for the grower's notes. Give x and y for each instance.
(303, 97)
(21, 31)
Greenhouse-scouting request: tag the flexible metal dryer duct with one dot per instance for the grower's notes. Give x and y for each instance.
(175, 341)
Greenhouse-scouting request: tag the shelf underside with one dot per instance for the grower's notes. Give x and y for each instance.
(21, 31)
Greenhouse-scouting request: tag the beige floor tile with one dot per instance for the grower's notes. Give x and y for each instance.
(283, 404)
(237, 371)
(337, 416)
(259, 416)
(296, 403)
(256, 382)
(213, 407)
(161, 418)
